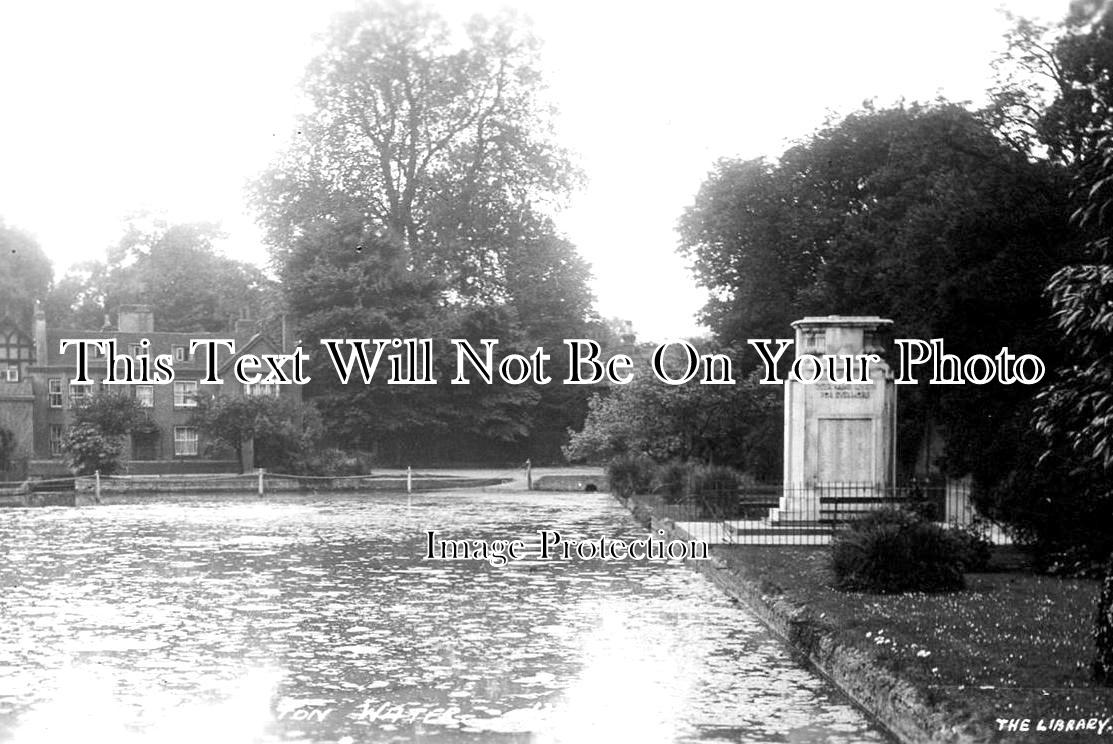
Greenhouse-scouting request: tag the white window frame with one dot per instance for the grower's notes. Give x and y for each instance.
(77, 398)
(185, 441)
(260, 389)
(145, 396)
(185, 394)
(57, 434)
(54, 392)
(12, 374)
(179, 353)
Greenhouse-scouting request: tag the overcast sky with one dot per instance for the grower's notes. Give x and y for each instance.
(109, 107)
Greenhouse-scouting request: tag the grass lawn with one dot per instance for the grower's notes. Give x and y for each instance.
(1011, 645)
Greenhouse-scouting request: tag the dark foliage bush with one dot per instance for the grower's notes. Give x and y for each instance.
(630, 474)
(671, 481)
(921, 503)
(714, 488)
(1062, 515)
(338, 462)
(973, 548)
(89, 450)
(1103, 630)
(892, 551)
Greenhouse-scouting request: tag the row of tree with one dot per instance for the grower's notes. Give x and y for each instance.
(957, 224)
(415, 200)
(987, 228)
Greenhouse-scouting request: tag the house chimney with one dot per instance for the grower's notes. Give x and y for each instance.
(245, 328)
(135, 319)
(40, 334)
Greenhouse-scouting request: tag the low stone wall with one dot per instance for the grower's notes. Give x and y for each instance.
(249, 483)
(896, 704)
(60, 469)
(141, 488)
(571, 482)
(181, 467)
(10, 500)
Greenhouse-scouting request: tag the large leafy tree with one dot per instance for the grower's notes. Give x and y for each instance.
(25, 274)
(442, 148)
(1075, 414)
(737, 425)
(1058, 94)
(1054, 102)
(95, 440)
(414, 202)
(1053, 91)
(284, 433)
(345, 282)
(916, 213)
(174, 268)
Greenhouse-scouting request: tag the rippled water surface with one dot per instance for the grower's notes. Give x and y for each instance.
(318, 620)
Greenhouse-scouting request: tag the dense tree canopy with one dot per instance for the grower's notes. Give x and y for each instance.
(175, 269)
(916, 213)
(95, 440)
(283, 433)
(25, 274)
(439, 147)
(1054, 90)
(414, 201)
(737, 425)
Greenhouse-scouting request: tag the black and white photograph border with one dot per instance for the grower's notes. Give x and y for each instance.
(468, 371)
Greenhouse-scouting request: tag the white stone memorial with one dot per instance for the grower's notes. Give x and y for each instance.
(838, 429)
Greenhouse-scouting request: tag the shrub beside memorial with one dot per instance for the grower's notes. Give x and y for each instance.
(974, 548)
(671, 481)
(714, 489)
(891, 550)
(630, 474)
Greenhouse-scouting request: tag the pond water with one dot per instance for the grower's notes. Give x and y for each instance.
(319, 620)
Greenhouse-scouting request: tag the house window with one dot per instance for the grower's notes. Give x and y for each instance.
(135, 350)
(185, 441)
(79, 393)
(265, 389)
(12, 374)
(56, 432)
(185, 394)
(179, 353)
(54, 392)
(145, 396)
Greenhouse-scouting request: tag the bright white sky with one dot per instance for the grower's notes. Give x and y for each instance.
(113, 106)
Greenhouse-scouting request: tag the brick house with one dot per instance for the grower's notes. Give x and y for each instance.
(37, 399)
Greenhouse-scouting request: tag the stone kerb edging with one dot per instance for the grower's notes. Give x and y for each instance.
(894, 702)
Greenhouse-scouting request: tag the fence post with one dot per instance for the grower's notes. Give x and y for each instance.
(529, 475)
(96, 487)
(409, 479)
(260, 471)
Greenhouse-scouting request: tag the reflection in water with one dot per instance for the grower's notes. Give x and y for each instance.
(316, 620)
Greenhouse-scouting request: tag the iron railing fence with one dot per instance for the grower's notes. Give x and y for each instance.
(811, 514)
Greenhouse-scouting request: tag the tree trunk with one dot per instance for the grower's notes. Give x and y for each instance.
(247, 454)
